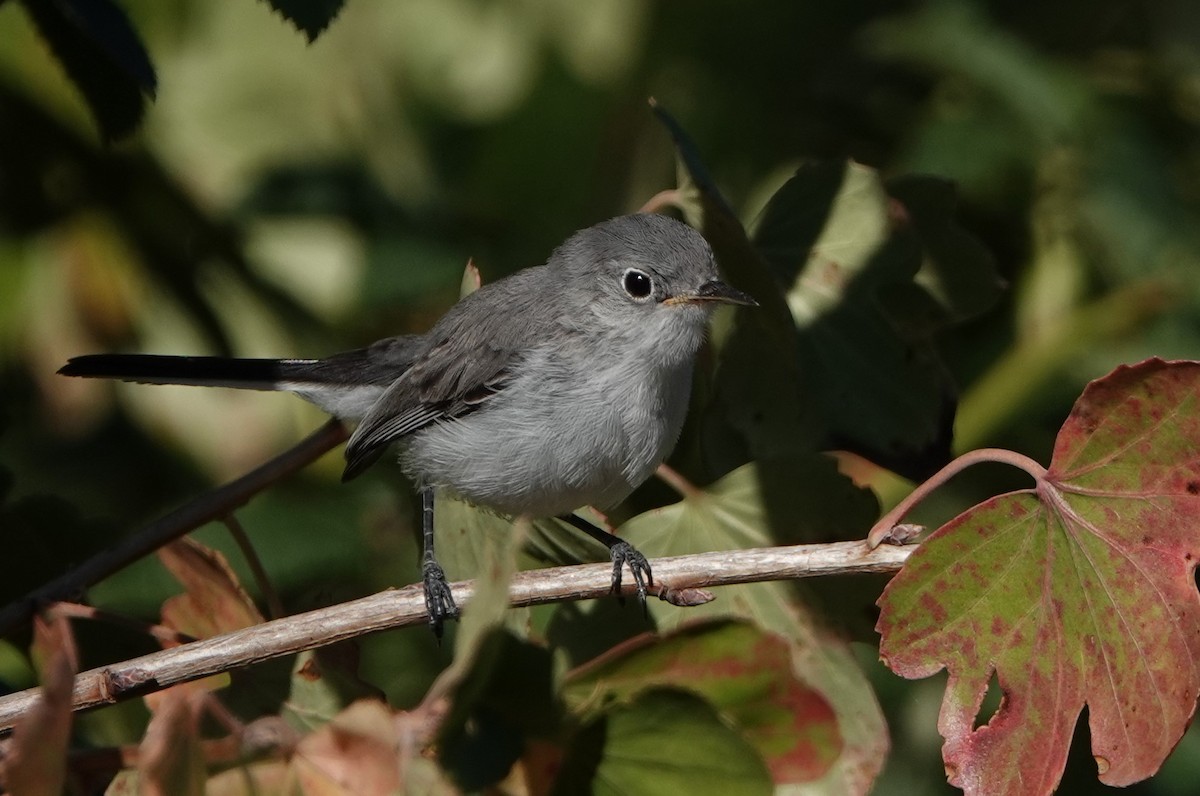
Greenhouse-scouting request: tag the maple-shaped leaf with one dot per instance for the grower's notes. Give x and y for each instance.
(1078, 592)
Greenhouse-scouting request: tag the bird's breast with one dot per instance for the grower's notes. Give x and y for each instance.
(561, 435)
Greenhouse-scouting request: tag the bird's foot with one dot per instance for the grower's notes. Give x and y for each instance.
(439, 601)
(623, 553)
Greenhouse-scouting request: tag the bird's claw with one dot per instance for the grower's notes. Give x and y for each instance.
(623, 554)
(439, 601)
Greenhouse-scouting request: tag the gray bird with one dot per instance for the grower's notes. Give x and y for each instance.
(561, 386)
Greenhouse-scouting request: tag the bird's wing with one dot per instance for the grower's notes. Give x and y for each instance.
(467, 358)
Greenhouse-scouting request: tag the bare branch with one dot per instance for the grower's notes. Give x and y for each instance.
(205, 508)
(403, 607)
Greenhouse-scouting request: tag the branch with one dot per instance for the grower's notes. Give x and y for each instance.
(210, 506)
(397, 608)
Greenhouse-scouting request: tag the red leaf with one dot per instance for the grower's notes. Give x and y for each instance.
(1078, 592)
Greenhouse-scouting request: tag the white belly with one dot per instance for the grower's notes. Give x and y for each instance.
(547, 446)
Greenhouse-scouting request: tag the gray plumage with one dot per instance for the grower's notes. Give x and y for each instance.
(560, 386)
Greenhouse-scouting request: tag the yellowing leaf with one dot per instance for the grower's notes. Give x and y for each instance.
(1079, 592)
(731, 514)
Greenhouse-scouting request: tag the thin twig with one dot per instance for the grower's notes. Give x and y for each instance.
(158, 632)
(205, 508)
(274, 604)
(403, 607)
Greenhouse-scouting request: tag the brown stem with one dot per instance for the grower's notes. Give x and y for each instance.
(405, 607)
(160, 633)
(671, 477)
(668, 198)
(274, 604)
(890, 520)
(206, 508)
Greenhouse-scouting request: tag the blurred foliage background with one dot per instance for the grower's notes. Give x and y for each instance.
(287, 199)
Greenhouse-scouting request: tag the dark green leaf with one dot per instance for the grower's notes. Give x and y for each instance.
(102, 54)
(310, 17)
(664, 741)
(757, 406)
(869, 278)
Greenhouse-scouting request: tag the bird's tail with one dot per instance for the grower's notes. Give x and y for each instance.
(333, 384)
(246, 374)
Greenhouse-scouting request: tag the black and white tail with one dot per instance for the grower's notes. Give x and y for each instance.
(345, 385)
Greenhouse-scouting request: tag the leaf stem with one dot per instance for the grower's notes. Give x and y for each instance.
(671, 477)
(890, 520)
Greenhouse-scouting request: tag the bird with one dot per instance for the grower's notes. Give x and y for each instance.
(560, 386)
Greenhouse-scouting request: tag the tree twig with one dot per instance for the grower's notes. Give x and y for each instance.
(210, 506)
(403, 607)
(274, 604)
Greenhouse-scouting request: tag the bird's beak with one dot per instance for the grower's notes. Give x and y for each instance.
(713, 290)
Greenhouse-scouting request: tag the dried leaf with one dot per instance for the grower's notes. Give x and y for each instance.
(214, 602)
(36, 760)
(170, 761)
(356, 753)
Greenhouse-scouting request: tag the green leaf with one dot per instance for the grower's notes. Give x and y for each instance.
(311, 17)
(732, 514)
(870, 277)
(504, 698)
(322, 686)
(664, 741)
(103, 56)
(758, 407)
(1079, 592)
(744, 673)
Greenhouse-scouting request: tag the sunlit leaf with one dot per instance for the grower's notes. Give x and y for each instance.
(214, 601)
(320, 690)
(1080, 592)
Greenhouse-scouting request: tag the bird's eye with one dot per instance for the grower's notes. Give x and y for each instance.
(637, 284)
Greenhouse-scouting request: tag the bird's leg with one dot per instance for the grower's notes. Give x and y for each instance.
(623, 553)
(439, 602)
